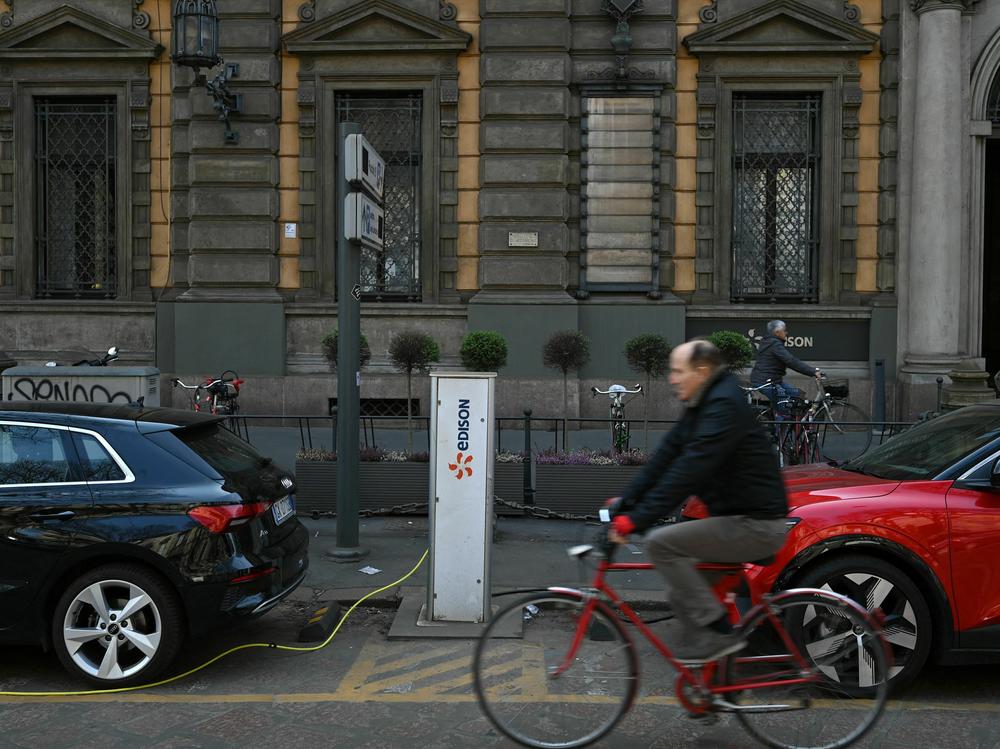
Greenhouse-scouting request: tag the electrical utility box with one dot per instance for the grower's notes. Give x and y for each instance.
(461, 496)
(121, 385)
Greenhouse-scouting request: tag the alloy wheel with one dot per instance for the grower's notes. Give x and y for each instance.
(900, 627)
(112, 629)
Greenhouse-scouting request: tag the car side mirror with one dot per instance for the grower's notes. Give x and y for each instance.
(991, 484)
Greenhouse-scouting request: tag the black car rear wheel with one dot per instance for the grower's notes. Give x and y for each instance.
(117, 625)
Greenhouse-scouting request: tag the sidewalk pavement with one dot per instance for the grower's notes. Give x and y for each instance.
(527, 553)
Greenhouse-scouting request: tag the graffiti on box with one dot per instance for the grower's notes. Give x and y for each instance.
(44, 389)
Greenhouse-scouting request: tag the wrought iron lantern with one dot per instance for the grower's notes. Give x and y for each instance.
(196, 46)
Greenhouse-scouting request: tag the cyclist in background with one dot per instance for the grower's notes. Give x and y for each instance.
(718, 452)
(773, 360)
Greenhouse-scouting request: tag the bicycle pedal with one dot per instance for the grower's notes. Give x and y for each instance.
(705, 719)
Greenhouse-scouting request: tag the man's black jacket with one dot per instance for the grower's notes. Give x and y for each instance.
(772, 361)
(719, 452)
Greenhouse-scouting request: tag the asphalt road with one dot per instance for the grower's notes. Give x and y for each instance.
(366, 691)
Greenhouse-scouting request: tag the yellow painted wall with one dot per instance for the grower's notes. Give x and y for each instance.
(288, 155)
(468, 149)
(684, 224)
(160, 119)
(687, 145)
(867, 245)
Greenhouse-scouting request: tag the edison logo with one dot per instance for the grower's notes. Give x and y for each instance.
(461, 466)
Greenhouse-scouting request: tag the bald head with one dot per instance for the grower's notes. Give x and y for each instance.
(691, 364)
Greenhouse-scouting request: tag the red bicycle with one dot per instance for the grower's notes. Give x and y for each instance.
(813, 676)
(217, 396)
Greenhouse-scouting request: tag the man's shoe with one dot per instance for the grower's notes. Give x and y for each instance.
(709, 645)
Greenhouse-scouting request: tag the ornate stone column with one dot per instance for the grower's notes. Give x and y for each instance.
(935, 246)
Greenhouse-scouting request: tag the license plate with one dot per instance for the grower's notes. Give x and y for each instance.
(283, 509)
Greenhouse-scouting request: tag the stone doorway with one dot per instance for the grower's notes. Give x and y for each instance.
(991, 259)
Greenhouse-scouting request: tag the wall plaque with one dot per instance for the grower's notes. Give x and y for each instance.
(522, 239)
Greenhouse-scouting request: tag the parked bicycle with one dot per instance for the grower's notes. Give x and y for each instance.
(619, 426)
(827, 427)
(217, 396)
(813, 675)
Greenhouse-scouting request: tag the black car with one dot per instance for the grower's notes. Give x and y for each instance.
(124, 529)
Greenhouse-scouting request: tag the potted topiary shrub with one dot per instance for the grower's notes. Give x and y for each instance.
(735, 347)
(648, 354)
(567, 351)
(483, 351)
(412, 351)
(329, 346)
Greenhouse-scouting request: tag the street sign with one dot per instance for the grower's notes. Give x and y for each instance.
(363, 221)
(356, 292)
(364, 166)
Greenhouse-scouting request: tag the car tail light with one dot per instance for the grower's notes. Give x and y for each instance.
(223, 518)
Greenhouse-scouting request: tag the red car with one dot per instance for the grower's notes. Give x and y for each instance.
(911, 527)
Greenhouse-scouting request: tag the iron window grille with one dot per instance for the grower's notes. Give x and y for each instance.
(391, 123)
(76, 201)
(776, 155)
(395, 407)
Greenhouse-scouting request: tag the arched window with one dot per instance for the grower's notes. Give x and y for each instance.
(993, 102)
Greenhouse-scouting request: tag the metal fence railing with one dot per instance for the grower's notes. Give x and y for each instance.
(282, 437)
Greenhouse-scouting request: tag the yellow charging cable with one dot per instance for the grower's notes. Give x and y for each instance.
(220, 656)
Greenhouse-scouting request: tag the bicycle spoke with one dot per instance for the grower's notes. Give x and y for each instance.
(846, 675)
(533, 694)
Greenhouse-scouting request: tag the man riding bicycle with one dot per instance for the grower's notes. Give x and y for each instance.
(718, 452)
(773, 360)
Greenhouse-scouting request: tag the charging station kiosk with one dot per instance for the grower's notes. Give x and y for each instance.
(461, 497)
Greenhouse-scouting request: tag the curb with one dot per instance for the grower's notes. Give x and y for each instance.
(390, 599)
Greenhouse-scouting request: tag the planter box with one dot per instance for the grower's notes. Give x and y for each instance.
(580, 490)
(381, 485)
(575, 489)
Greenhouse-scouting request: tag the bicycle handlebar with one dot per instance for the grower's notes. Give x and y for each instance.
(201, 385)
(610, 391)
(176, 381)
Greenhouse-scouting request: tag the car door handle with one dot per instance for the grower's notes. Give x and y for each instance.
(62, 515)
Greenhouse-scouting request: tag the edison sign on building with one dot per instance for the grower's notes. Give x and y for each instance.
(462, 493)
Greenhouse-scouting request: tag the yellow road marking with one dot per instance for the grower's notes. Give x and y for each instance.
(362, 666)
(429, 655)
(419, 674)
(464, 680)
(340, 696)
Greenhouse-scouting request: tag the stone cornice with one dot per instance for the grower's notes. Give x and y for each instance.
(922, 6)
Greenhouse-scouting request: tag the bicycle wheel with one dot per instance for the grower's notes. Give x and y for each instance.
(790, 445)
(809, 634)
(536, 690)
(620, 436)
(841, 437)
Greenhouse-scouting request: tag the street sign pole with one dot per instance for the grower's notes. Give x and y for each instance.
(348, 369)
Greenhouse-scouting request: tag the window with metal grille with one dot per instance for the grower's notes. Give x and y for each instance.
(75, 185)
(381, 406)
(776, 153)
(391, 123)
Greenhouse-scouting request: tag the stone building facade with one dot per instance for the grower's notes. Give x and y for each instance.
(613, 166)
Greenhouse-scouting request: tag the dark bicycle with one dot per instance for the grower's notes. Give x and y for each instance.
(826, 427)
